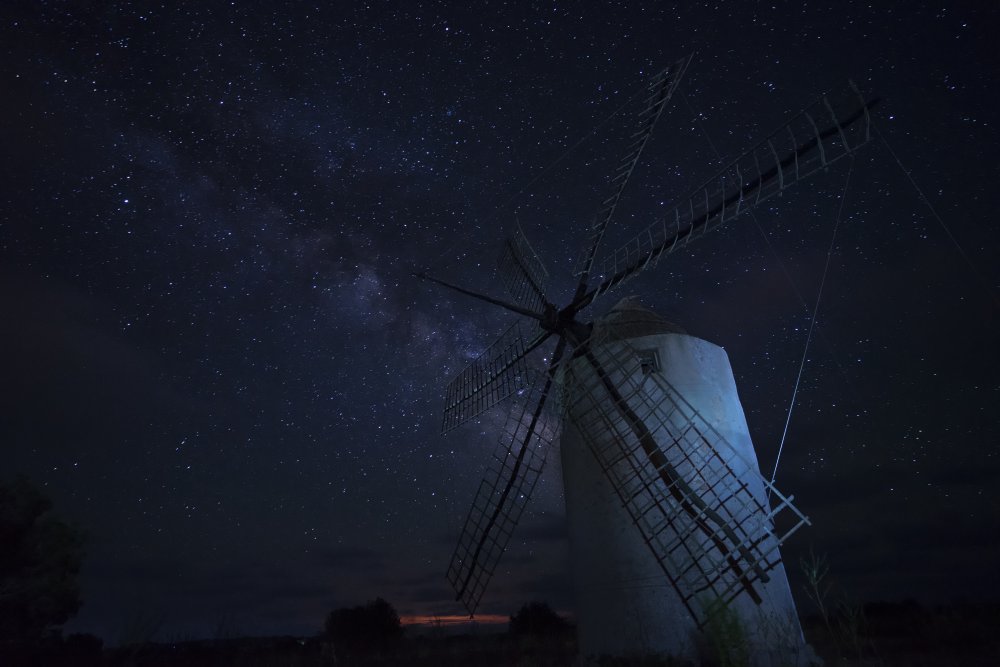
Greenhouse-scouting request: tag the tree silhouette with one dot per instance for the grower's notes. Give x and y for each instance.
(40, 558)
(538, 619)
(375, 625)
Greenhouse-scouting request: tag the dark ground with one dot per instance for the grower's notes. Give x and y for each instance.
(886, 634)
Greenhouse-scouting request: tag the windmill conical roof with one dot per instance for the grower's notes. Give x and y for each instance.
(630, 319)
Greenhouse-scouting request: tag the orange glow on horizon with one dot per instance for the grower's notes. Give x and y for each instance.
(446, 620)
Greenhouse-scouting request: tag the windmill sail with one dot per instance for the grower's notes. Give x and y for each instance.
(661, 89)
(492, 377)
(676, 476)
(522, 272)
(833, 128)
(505, 491)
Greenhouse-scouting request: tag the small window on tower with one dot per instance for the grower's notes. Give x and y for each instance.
(649, 361)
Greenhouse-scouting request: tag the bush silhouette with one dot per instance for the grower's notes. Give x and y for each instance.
(375, 625)
(40, 558)
(538, 619)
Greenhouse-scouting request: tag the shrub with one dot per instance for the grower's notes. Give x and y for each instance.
(538, 619)
(374, 625)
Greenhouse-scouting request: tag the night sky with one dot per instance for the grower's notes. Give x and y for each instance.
(215, 360)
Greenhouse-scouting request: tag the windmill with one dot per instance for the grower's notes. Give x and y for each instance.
(671, 523)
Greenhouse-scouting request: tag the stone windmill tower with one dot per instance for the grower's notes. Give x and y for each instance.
(672, 527)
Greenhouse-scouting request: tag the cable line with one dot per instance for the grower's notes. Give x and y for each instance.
(812, 323)
(920, 193)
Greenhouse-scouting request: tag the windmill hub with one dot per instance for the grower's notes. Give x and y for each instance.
(563, 323)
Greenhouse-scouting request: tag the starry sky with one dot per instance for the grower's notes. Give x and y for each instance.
(216, 362)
